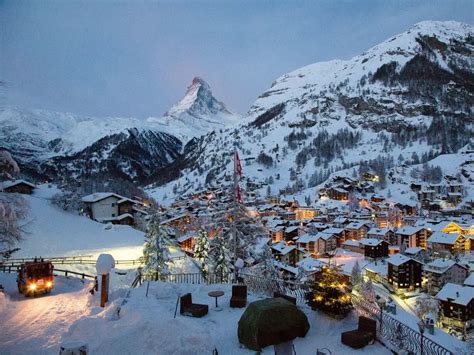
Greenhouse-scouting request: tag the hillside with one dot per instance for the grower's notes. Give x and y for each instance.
(63, 146)
(402, 102)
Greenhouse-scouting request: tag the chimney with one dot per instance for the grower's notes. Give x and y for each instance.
(457, 294)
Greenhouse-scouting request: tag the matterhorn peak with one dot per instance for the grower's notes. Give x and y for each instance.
(198, 112)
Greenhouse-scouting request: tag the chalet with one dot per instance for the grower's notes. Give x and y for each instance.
(340, 222)
(440, 272)
(374, 248)
(404, 273)
(412, 236)
(310, 265)
(386, 234)
(406, 209)
(338, 233)
(441, 243)
(302, 213)
(377, 199)
(327, 242)
(370, 176)
(456, 307)
(455, 188)
(288, 254)
(353, 245)
(291, 233)
(308, 242)
(109, 207)
(186, 243)
(18, 186)
(337, 193)
(382, 219)
(415, 187)
(356, 230)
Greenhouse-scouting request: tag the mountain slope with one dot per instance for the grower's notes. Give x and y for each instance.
(406, 100)
(197, 113)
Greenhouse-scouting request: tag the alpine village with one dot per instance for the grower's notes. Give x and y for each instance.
(336, 216)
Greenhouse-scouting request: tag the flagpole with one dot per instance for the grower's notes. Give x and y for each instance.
(234, 217)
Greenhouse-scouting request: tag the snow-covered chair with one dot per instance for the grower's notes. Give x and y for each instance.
(188, 308)
(239, 296)
(364, 335)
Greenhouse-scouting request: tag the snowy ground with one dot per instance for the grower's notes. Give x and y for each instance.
(146, 325)
(51, 231)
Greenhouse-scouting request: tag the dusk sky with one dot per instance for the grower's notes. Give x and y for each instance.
(123, 58)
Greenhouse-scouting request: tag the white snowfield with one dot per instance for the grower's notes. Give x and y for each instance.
(51, 231)
(146, 324)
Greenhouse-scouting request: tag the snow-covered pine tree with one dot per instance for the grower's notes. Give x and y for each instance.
(367, 291)
(221, 261)
(201, 251)
(426, 304)
(155, 253)
(356, 276)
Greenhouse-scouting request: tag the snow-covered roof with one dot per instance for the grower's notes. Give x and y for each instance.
(409, 230)
(457, 293)
(439, 265)
(306, 238)
(378, 268)
(310, 264)
(333, 230)
(398, 259)
(469, 281)
(357, 224)
(118, 218)
(185, 237)
(443, 238)
(282, 248)
(378, 231)
(351, 242)
(10, 183)
(98, 196)
(413, 250)
(370, 241)
(286, 267)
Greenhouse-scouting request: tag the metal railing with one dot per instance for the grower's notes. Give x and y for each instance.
(397, 335)
(67, 273)
(256, 284)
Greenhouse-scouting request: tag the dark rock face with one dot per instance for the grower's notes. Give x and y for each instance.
(131, 155)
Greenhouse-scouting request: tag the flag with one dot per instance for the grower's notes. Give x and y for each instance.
(237, 165)
(238, 194)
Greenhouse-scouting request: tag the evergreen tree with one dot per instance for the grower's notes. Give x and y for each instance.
(201, 251)
(155, 253)
(367, 291)
(221, 260)
(356, 275)
(329, 293)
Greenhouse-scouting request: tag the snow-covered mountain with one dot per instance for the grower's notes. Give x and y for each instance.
(196, 114)
(406, 100)
(64, 145)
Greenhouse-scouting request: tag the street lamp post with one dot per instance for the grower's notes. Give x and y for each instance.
(421, 327)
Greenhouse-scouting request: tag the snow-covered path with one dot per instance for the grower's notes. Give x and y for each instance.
(36, 325)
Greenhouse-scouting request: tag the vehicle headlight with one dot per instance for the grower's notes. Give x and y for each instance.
(49, 284)
(32, 287)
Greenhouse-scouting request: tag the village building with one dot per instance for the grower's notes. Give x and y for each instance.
(186, 243)
(356, 230)
(18, 186)
(374, 248)
(416, 253)
(442, 243)
(386, 234)
(302, 213)
(288, 254)
(440, 272)
(109, 207)
(456, 307)
(412, 236)
(404, 273)
(337, 193)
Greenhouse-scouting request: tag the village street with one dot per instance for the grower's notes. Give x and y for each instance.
(33, 323)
